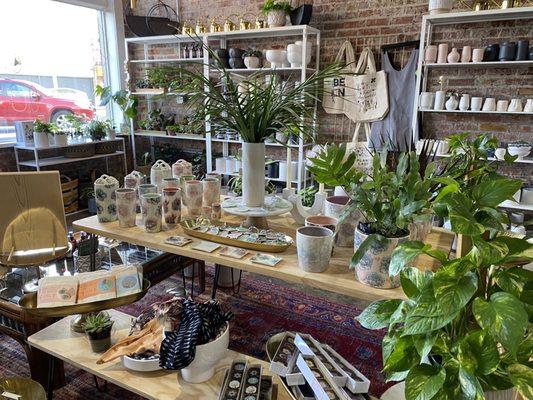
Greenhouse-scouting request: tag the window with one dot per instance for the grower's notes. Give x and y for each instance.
(53, 60)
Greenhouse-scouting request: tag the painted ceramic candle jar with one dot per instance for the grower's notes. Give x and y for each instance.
(134, 179)
(171, 183)
(126, 207)
(183, 179)
(104, 195)
(159, 171)
(373, 268)
(334, 206)
(151, 212)
(206, 212)
(171, 206)
(314, 244)
(211, 191)
(193, 196)
(181, 167)
(216, 212)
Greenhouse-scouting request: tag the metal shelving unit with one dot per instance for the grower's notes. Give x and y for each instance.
(220, 39)
(429, 22)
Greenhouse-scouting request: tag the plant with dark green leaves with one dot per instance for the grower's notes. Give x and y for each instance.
(97, 129)
(273, 5)
(262, 108)
(96, 323)
(40, 126)
(156, 121)
(466, 328)
(307, 195)
(127, 103)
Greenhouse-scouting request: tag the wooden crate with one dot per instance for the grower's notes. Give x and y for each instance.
(69, 188)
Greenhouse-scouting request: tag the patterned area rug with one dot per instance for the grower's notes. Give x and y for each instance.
(262, 307)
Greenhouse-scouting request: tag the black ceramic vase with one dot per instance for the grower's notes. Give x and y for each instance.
(302, 15)
(507, 51)
(491, 52)
(236, 63)
(531, 53)
(522, 50)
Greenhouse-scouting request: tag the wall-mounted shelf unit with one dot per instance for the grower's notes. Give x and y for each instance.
(475, 112)
(485, 64)
(220, 40)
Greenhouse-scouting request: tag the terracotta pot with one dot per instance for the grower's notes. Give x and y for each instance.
(373, 268)
(126, 207)
(172, 206)
(151, 212)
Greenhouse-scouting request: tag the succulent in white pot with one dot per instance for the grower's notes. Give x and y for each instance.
(59, 136)
(276, 12)
(41, 134)
(252, 58)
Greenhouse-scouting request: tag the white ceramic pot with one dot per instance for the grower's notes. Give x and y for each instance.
(253, 174)
(502, 105)
(276, 18)
(211, 191)
(282, 168)
(476, 103)
(60, 140)
(294, 55)
(126, 207)
(333, 207)
(252, 62)
(151, 212)
(207, 356)
(41, 139)
(276, 58)
(466, 54)
(477, 55)
(308, 50)
(220, 164)
(499, 153)
(489, 104)
(105, 196)
(229, 165)
(430, 55)
(515, 105)
(440, 99)
(314, 244)
(373, 268)
(141, 365)
(158, 172)
(454, 56)
(193, 197)
(527, 196)
(529, 106)
(452, 103)
(427, 100)
(464, 103)
(442, 53)
(440, 6)
(171, 206)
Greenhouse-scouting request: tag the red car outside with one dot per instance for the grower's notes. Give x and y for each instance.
(25, 101)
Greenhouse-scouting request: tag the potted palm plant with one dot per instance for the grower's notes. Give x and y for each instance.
(261, 111)
(464, 331)
(98, 329)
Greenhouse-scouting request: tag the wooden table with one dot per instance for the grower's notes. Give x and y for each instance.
(337, 278)
(59, 341)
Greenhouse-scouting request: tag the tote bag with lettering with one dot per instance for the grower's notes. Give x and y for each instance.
(367, 93)
(335, 88)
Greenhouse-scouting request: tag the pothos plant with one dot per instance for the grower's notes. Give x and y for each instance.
(466, 328)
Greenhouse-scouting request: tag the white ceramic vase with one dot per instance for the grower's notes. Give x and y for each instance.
(126, 207)
(397, 392)
(252, 62)
(171, 206)
(207, 356)
(253, 174)
(452, 103)
(40, 139)
(60, 140)
(276, 18)
(193, 197)
(211, 191)
(151, 212)
(314, 244)
(105, 197)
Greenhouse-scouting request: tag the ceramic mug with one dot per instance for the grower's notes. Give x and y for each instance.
(489, 104)
(515, 105)
(440, 100)
(464, 103)
(430, 55)
(426, 100)
(126, 207)
(171, 206)
(499, 153)
(477, 55)
(476, 103)
(442, 53)
(466, 54)
(314, 244)
(502, 105)
(193, 196)
(151, 212)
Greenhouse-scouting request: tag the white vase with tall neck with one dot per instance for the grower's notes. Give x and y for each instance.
(253, 174)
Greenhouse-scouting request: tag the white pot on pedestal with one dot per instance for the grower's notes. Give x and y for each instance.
(253, 174)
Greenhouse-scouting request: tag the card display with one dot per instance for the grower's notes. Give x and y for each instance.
(233, 252)
(96, 286)
(57, 291)
(266, 259)
(207, 247)
(127, 280)
(179, 241)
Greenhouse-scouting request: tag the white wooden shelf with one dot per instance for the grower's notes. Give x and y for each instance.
(479, 16)
(516, 206)
(525, 160)
(72, 144)
(474, 112)
(167, 60)
(158, 93)
(273, 144)
(280, 70)
(163, 134)
(486, 64)
(45, 162)
(266, 177)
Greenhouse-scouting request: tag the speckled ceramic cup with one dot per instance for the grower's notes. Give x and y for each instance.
(314, 244)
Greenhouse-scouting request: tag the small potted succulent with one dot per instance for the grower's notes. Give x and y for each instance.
(252, 58)
(98, 329)
(276, 12)
(59, 135)
(41, 132)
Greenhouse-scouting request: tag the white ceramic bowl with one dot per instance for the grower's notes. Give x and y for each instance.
(521, 151)
(141, 365)
(276, 58)
(207, 356)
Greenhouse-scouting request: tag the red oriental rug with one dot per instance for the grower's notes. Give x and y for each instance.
(262, 307)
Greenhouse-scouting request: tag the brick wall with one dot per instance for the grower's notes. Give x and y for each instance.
(377, 22)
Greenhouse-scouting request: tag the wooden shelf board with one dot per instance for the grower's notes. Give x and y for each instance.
(45, 162)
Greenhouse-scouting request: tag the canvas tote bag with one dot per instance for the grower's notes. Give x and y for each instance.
(367, 94)
(335, 88)
(363, 154)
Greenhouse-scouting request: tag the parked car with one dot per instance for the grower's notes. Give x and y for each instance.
(22, 100)
(78, 96)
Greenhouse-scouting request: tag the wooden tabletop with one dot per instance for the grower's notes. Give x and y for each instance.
(74, 348)
(337, 278)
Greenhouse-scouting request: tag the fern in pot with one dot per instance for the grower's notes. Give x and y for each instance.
(464, 331)
(265, 108)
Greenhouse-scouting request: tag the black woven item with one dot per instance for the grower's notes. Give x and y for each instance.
(200, 324)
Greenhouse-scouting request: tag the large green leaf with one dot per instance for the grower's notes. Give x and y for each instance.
(517, 281)
(470, 385)
(403, 255)
(478, 353)
(363, 248)
(413, 281)
(504, 317)
(377, 315)
(424, 381)
(522, 378)
(402, 355)
(490, 253)
(491, 192)
(424, 343)
(453, 292)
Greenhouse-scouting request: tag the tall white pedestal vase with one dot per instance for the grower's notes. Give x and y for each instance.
(253, 174)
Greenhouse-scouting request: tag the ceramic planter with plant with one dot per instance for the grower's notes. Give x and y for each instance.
(59, 136)
(97, 129)
(41, 133)
(126, 102)
(276, 12)
(252, 58)
(97, 327)
(256, 114)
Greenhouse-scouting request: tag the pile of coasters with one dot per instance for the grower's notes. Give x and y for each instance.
(315, 371)
(244, 381)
